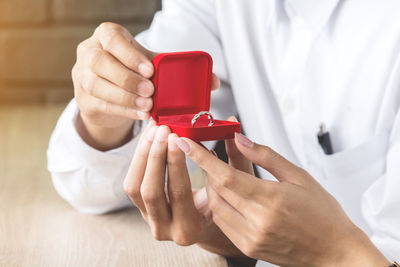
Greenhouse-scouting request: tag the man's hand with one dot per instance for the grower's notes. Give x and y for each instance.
(293, 222)
(112, 86)
(171, 209)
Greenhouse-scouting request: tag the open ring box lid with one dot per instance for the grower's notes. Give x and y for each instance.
(182, 84)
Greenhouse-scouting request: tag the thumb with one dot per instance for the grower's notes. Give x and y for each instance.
(216, 83)
(264, 156)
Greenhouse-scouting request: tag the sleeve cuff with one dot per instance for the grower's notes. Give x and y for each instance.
(67, 151)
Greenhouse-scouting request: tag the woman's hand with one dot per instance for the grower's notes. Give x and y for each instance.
(171, 209)
(168, 208)
(293, 222)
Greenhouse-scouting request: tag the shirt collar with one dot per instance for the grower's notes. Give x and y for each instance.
(315, 13)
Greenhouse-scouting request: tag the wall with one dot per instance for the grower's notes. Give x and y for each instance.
(38, 39)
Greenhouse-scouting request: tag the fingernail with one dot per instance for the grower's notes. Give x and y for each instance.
(183, 145)
(151, 133)
(243, 140)
(171, 142)
(162, 133)
(233, 118)
(142, 115)
(142, 102)
(151, 123)
(145, 69)
(145, 88)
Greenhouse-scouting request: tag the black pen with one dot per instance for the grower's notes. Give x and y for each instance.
(324, 140)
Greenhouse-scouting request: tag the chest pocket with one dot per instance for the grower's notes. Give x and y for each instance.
(348, 174)
(364, 160)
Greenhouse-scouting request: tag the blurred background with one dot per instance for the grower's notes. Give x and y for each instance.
(38, 39)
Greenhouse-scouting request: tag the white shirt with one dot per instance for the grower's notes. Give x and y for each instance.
(286, 67)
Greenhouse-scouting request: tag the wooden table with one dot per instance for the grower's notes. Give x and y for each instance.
(38, 228)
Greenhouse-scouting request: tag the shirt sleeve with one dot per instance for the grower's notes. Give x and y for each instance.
(186, 25)
(381, 202)
(91, 180)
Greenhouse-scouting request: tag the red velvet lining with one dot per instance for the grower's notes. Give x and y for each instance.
(185, 120)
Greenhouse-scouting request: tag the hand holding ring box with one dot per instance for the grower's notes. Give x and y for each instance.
(181, 101)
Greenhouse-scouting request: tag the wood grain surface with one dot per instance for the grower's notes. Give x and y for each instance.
(38, 228)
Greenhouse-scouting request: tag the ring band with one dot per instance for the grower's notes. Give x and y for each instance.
(201, 113)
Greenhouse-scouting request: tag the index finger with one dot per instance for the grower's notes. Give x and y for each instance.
(234, 186)
(221, 172)
(153, 185)
(179, 187)
(135, 175)
(117, 41)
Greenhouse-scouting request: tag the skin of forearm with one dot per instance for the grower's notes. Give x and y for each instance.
(363, 254)
(102, 138)
(360, 251)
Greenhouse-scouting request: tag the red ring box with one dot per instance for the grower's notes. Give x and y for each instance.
(182, 83)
